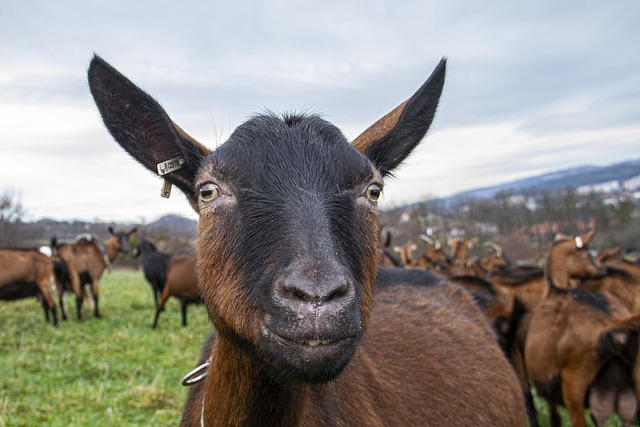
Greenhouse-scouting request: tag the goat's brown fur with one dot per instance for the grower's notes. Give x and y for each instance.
(25, 273)
(181, 283)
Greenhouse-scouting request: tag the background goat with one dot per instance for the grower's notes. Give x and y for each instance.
(154, 266)
(182, 283)
(86, 261)
(25, 273)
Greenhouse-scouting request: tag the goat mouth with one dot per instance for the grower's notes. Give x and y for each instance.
(307, 359)
(303, 342)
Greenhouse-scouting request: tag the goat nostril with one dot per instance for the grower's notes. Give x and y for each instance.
(339, 292)
(299, 294)
(312, 291)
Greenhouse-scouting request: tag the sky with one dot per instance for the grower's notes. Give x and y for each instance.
(531, 87)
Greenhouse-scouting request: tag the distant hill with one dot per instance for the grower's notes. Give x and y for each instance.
(175, 223)
(569, 178)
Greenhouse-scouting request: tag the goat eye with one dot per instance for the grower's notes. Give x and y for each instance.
(208, 192)
(373, 192)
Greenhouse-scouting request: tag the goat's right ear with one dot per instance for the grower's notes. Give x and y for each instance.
(142, 127)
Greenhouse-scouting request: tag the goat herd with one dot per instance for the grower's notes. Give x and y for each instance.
(76, 268)
(312, 329)
(569, 329)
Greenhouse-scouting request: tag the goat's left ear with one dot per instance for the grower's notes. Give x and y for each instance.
(392, 138)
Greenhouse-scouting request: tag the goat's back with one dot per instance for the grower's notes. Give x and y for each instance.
(17, 265)
(83, 256)
(181, 275)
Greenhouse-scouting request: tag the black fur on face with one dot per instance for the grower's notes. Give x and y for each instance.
(292, 210)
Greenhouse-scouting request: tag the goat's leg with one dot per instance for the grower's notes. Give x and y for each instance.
(94, 292)
(155, 295)
(63, 304)
(531, 409)
(574, 391)
(45, 307)
(54, 314)
(183, 306)
(160, 306)
(79, 301)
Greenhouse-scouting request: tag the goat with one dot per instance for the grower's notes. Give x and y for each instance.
(86, 260)
(573, 356)
(286, 260)
(181, 283)
(25, 273)
(493, 261)
(154, 266)
(433, 258)
(568, 264)
(620, 280)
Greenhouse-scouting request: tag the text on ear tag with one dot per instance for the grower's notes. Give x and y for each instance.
(170, 165)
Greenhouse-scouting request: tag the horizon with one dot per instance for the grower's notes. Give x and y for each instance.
(147, 221)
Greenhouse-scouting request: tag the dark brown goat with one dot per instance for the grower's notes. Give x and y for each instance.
(181, 283)
(86, 261)
(25, 273)
(286, 260)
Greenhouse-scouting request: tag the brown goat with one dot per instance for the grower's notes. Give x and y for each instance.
(569, 363)
(492, 262)
(620, 280)
(181, 283)
(86, 261)
(551, 329)
(25, 273)
(286, 260)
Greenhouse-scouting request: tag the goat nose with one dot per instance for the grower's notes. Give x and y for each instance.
(323, 290)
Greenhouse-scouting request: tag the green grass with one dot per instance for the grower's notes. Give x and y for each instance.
(112, 371)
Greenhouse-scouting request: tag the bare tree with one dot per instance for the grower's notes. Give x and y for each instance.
(11, 213)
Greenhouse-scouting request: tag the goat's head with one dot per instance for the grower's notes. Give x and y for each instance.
(287, 235)
(571, 254)
(121, 238)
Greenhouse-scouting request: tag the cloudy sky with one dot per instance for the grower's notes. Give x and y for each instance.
(532, 87)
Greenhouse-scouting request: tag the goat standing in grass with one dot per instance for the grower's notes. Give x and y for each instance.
(562, 349)
(154, 266)
(86, 261)
(182, 283)
(26, 273)
(309, 331)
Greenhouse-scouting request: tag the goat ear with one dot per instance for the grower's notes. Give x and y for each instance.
(142, 127)
(586, 237)
(392, 138)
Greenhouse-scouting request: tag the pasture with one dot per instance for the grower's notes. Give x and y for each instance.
(114, 371)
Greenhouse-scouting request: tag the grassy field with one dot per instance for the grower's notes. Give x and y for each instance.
(114, 371)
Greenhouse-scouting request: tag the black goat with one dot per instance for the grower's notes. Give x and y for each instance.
(154, 265)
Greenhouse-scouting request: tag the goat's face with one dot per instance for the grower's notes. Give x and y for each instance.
(287, 237)
(574, 254)
(287, 242)
(121, 238)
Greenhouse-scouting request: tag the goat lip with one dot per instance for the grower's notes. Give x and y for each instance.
(310, 343)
